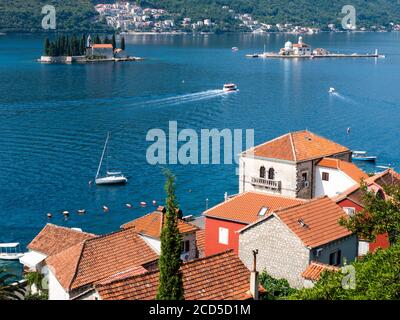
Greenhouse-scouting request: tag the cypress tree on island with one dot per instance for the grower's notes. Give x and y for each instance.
(123, 43)
(114, 43)
(170, 280)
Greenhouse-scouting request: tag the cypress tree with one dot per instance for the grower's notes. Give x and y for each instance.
(106, 40)
(97, 39)
(170, 280)
(123, 43)
(114, 43)
(47, 47)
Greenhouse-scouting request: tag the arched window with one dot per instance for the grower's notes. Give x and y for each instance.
(271, 174)
(262, 172)
(380, 194)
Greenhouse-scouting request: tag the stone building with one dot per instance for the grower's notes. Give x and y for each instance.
(289, 240)
(104, 51)
(286, 165)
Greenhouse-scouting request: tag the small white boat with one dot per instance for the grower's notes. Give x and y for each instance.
(363, 156)
(228, 87)
(110, 177)
(235, 48)
(332, 90)
(10, 251)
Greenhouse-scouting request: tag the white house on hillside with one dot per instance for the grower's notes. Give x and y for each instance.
(334, 176)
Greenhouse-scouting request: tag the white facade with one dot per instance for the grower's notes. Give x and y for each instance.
(338, 182)
(56, 291)
(285, 176)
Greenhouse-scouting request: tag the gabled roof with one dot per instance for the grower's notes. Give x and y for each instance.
(218, 277)
(314, 270)
(245, 207)
(99, 258)
(376, 182)
(297, 146)
(349, 168)
(150, 224)
(315, 222)
(53, 239)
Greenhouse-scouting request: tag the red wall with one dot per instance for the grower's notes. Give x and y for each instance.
(212, 244)
(381, 241)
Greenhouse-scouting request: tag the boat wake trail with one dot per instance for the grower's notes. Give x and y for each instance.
(185, 98)
(344, 98)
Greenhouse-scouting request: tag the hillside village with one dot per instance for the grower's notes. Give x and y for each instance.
(284, 220)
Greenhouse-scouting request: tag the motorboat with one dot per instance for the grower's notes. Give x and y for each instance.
(10, 251)
(363, 156)
(235, 48)
(110, 177)
(228, 87)
(332, 90)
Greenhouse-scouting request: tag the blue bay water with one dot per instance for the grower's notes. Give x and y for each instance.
(54, 118)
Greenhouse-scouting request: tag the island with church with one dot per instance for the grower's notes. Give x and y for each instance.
(84, 49)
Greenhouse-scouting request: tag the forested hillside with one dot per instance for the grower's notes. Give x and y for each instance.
(26, 15)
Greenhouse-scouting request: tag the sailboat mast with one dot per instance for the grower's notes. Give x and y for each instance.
(102, 155)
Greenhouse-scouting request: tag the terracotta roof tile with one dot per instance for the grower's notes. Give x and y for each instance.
(200, 240)
(298, 146)
(348, 168)
(150, 225)
(219, 277)
(99, 258)
(320, 219)
(314, 270)
(245, 207)
(102, 46)
(53, 239)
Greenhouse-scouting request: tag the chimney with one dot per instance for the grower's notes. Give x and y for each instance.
(226, 196)
(254, 277)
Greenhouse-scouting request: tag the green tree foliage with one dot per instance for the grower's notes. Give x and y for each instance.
(8, 291)
(123, 43)
(65, 46)
(300, 12)
(71, 16)
(275, 288)
(379, 216)
(376, 278)
(114, 43)
(170, 280)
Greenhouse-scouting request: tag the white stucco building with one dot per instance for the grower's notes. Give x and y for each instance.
(334, 176)
(286, 165)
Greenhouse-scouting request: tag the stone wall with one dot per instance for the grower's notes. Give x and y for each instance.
(280, 253)
(304, 191)
(348, 247)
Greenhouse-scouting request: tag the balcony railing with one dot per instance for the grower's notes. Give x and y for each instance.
(269, 184)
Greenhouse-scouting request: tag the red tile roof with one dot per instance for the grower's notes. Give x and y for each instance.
(315, 222)
(314, 270)
(349, 168)
(219, 277)
(150, 225)
(297, 146)
(321, 218)
(99, 258)
(244, 208)
(102, 46)
(200, 240)
(53, 239)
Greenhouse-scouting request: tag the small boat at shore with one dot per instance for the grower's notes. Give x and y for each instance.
(110, 177)
(229, 87)
(363, 156)
(10, 251)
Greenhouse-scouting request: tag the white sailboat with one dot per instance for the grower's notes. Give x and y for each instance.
(110, 177)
